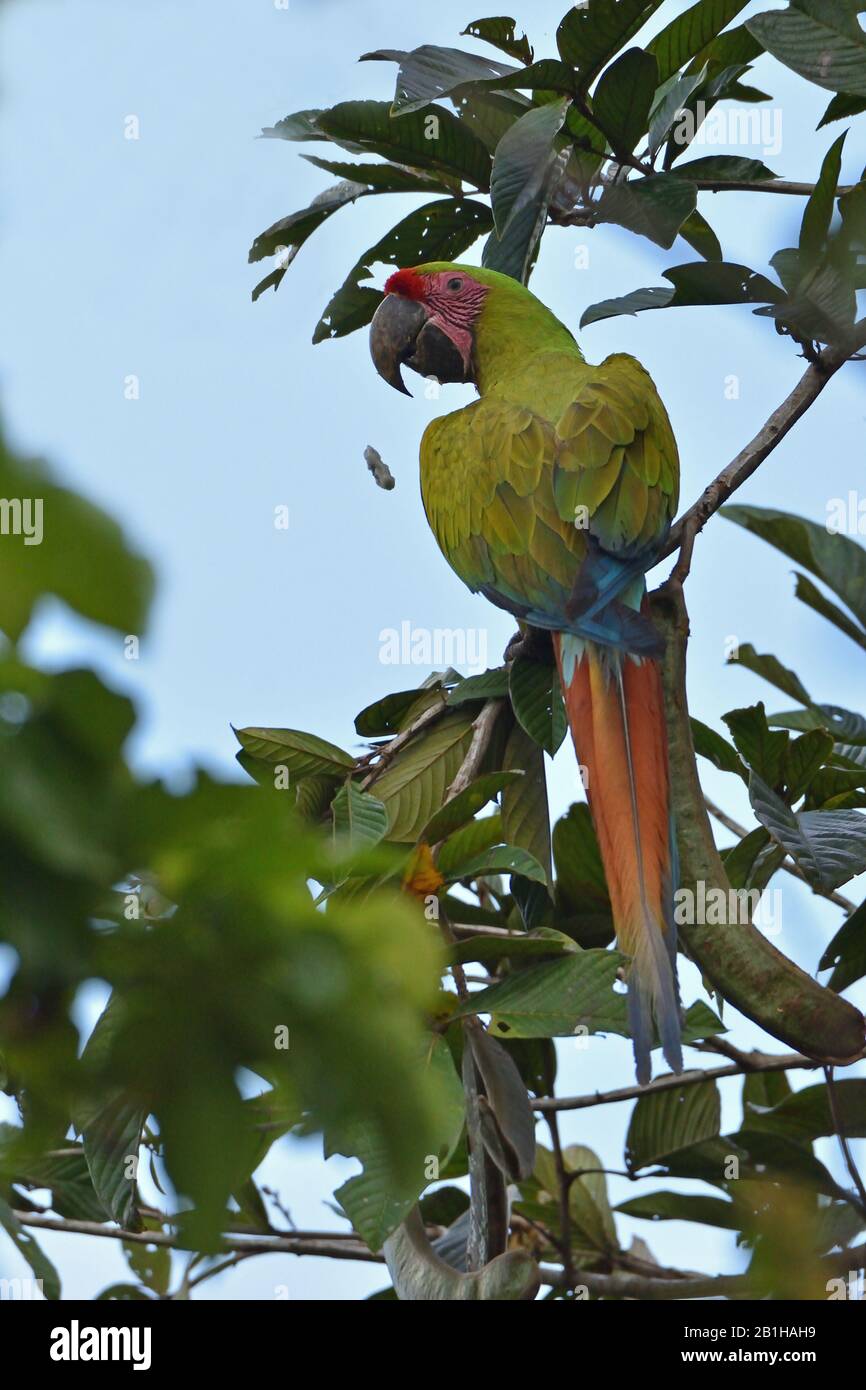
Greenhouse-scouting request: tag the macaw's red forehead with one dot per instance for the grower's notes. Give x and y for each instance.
(410, 283)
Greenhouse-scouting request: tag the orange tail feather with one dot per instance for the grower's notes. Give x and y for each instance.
(616, 715)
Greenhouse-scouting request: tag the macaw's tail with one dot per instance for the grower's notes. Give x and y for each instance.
(616, 715)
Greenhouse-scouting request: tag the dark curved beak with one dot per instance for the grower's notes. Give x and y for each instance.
(401, 333)
(393, 333)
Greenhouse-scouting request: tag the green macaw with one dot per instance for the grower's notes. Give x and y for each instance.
(552, 495)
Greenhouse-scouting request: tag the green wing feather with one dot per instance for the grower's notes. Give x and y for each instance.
(510, 482)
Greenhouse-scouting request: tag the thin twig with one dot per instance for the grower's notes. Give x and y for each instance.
(333, 1245)
(482, 732)
(388, 751)
(799, 190)
(843, 1138)
(756, 1062)
(787, 864)
(804, 394)
(564, 1187)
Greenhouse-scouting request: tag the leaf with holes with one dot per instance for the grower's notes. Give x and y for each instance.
(501, 33)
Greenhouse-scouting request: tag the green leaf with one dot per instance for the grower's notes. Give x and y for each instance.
(359, 820)
(841, 107)
(589, 36)
(752, 862)
(807, 1115)
(466, 804)
(66, 1175)
(725, 168)
(151, 1265)
(762, 748)
(829, 846)
(763, 1089)
(499, 859)
(581, 886)
(716, 749)
(808, 593)
(441, 230)
(301, 125)
(846, 953)
(621, 101)
(555, 999)
(501, 32)
(445, 146)
(521, 162)
(414, 785)
(381, 178)
(376, 1203)
(384, 717)
(466, 844)
(507, 1110)
(655, 206)
(430, 72)
(490, 685)
(772, 670)
(293, 231)
(544, 942)
(713, 283)
(536, 699)
(30, 1251)
(670, 1120)
(691, 32)
(737, 46)
(526, 166)
(835, 559)
(821, 41)
(819, 206)
(525, 810)
(681, 1206)
(697, 231)
(803, 757)
(82, 557)
(302, 754)
(671, 100)
(111, 1127)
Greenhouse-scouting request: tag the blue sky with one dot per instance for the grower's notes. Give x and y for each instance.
(128, 257)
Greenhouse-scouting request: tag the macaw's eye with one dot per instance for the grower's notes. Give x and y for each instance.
(455, 285)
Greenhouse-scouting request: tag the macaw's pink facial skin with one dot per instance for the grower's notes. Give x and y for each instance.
(426, 321)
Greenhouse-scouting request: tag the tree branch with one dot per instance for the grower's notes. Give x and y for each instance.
(754, 1062)
(335, 1246)
(799, 190)
(749, 459)
(839, 1129)
(673, 1285)
(388, 751)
